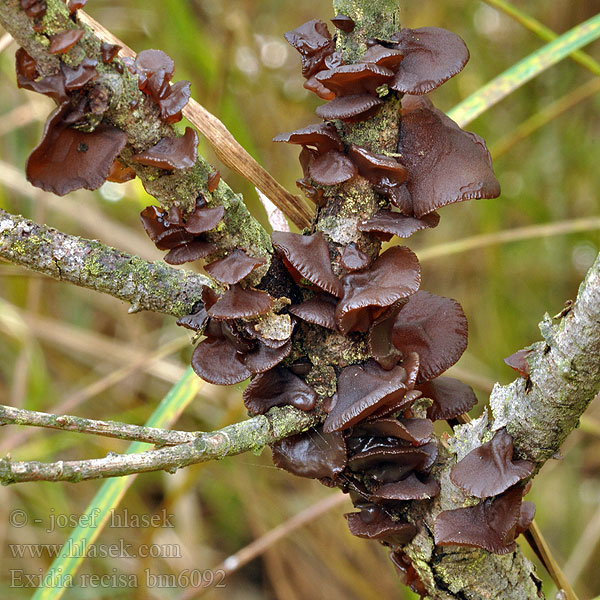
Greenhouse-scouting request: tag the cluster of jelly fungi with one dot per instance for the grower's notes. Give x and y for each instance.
(79, 147)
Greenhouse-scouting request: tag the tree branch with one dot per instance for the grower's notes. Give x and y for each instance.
(250, 435)
(145, 285)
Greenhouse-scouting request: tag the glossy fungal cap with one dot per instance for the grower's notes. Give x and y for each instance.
(394, 276)
(196, 321)
(310, 191)
(154, 69)
(353, 258)
(308, 255)
(161, 231)
(77, 77)
(62, 42)
(234, 267)
(450, 396)
(445, 163)
(518, 361)
(343, 23)
(240, 303)
(176, 97)
(379, 340)
(350, 109)
(75, 5)
(490, 469)
(382, 56)
(27, 74)
(203, 219)
(212, 180)
(312, 84)
(431, 56)
(381, 527)
(313, 41)
(119, 173)
(171, 153)
(526, 516)
(319, 310)
(415, 431)
(34, 9)
(386, 223)
(217, 361)
(383, 171)
(314, 454)
(435, 328)
(320, 136)
(490, 525)
(262, 358)
(332, 168)
(277, 387)
(67, 159)
(386, 464)
(397, 406)
(361, 390)
(108, 52)
(410, 488)
(357, 78)
(189, 251)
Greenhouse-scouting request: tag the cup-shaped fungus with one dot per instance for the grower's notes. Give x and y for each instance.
(62, 42)
(319, 310)
(313, 41)
(34, 9)
(234, 267)
(28, 78)
(350, 109)
(357, 78)
(415, 431)
(490, 469)
(380, 527)
(171, 153)
(241, 303)
(75, 5)
(353, 258)
(382, 56)
(385, 223)
(450, 396)
(343, 23)
(518, 361)
(409, 488)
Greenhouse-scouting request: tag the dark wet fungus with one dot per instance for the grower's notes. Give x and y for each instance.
(357, 78)
(450, 396)
(234, 267)
(526, 516)
(161, 231)
(278, 387)
(313, 41)
(173, 103)
(319, 310)
(350, 109)
(189, 252)
(27, 74)
(490, 469)
(386, 223)
(308, 257)
(343, 23)
(445, 163)
(353, 258)
(25, 65)
(415, 431)
(77, 77)
(361, 390)
(379, 340)
(321, 136)
(435, 328)
(263, 358)
(154, 69)
(490, 525)
(75, 5)
(410, 488)
(217, 361)
(119, 173)
(67, 159)
(310, 191)
(394, 276)
(397, 406)
(382, 527)
(332, 168)
(241, 303)
(62, 42)
(204, 219)
(213, 180)
(34, 9)
(312, 84)
(171, 153)
(518, 361)
(431, 57)
(382, 56)
(196, 321)
(108, 51)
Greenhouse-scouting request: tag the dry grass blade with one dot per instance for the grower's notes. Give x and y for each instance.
(224, 144)
(584, 550)
(5, 41)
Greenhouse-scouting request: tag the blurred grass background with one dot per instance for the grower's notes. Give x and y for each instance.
(67, 349)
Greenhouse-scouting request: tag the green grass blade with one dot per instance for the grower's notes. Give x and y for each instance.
(526, 69)
(64, 567)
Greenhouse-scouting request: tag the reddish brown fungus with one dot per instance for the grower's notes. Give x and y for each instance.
(310, 191)
(386, 223)
(67, 159)
(357, 78)
(218, 362)
(27, 73)
(77, 77)
(431, 56)
(34, 9)
(350, 109)
(171, 153)
(234, 267)
(394, 276)
(177, 96)
(64, 41)
(213, 180)
(262, 358)
(382, 56)
(361, 390)
(313, 41)
(277, 387)
(450, 396)
(240, 303)
(526, 516)
(204, 219)
(119, 173)
(445, 163)
(382, 528)
(385, 464)
(353, 258)
(161, 231)
(490, 469)
(308, 255)
(25, 65)
(75, 5)
(410, 488)
(319, 310)
(189, 252)
(312, 84)
(332, 168)
(196, 321)
(154, 70)
(321, 136)
(518, 361)
(435, 328)
(108, 51)
(343, 23)
(380, 343)
(415, 431)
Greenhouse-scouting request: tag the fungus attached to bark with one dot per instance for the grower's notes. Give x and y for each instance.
(357, 78)
(34, 9)
(450, 396)
(307, 256)
(435, 328)
(490, 525)
(332, 168)
(415, 431)
(319, 310)
(119, 173)
(380, 344)
(171, 153)
(321, 136)
(217, 361)
(77, 77)
(382, 527)
(241, 303)
(353, 258)
(350, 109)
(234, 267)
(490, 469)
(386, 223)
(75, 5)
(388, 464)
(108, 51)
(27, 78)
(278, 387)
(172, 104)
(189, 252)
(313, 41)
(394, 276)
(343, 23)
(518, 361)
(67, 159)
(382, 56)
(161, 231)
(204, 219)
(409, 488)
(154, 69)
(431, 57)
(62, 42)
(361, 390)
(445, 163)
